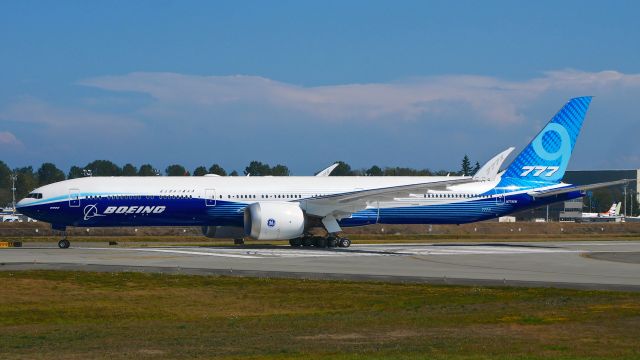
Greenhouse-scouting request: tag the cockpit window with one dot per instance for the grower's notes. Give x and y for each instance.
(35, 196)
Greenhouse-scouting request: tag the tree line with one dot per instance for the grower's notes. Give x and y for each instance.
(27, 178)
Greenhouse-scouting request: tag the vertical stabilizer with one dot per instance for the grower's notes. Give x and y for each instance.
(545, 159)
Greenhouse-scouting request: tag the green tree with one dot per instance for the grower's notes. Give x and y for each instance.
(234, 173)
(217, 169)
(75, 172)
(147, 170)
(129, 170)
(26, 181)
(256, 168)
(404, 171)
(375, 170)
(5, 184)
(200, 171)
(280, 170)
(103, 168)
(176, 170)
(343, 169)
(476, 168)
(48, 173)
(466, 166)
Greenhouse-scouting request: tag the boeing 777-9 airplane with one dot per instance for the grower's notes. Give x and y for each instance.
(269, 208)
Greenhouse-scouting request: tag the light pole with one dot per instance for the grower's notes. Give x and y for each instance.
(625, 200)
(631, 192)
(13, 177)
(547, 220)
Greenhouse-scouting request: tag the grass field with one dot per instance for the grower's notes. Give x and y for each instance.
(80, 315)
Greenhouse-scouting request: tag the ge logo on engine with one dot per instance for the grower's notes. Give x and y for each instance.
(271, 222)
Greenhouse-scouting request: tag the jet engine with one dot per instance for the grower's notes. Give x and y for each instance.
(273, 221)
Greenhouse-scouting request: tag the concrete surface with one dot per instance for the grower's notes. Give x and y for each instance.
(611, 265)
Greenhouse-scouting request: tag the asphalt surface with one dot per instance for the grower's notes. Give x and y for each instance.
(612, 265)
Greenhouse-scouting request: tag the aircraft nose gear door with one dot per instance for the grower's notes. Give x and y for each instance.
(74, 197)
(210, 197)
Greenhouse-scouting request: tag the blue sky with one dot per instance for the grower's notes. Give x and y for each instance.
(304, 83)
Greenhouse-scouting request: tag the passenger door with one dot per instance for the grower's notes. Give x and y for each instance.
(210, 197)
(499, 196)
(74, 197)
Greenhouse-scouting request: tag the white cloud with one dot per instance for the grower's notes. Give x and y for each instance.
(35, 111)
(7, 138)
(490, 98)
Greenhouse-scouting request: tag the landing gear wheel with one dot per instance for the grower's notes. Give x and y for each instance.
(297, 242)
(332, 241)
(64, 244)
(344, 242)
(238, 241)
(321, 242)
(307, 241)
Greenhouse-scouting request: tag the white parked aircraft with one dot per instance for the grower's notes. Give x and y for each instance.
(611, 215)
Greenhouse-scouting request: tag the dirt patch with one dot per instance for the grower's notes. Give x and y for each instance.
(390, 335)
(150, 352)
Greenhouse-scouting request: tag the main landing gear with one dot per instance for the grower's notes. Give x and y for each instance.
(321, 241)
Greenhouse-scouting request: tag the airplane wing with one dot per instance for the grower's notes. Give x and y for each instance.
(327, 171)
(489, 171)
(552, 192)
(352, 201)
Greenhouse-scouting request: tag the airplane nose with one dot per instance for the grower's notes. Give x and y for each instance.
(20, 204)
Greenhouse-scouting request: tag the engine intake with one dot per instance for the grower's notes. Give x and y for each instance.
(273, 221)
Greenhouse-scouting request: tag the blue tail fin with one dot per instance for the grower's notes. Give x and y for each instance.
(545, 159)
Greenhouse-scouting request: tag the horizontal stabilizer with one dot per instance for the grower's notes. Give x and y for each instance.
(564, 190)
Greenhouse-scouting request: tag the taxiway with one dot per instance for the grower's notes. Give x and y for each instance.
(588, 264)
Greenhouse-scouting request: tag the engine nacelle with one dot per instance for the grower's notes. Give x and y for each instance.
(223, 232)
(273, 221)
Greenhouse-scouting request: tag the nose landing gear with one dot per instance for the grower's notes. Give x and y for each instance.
(64, 243)
(62, 230)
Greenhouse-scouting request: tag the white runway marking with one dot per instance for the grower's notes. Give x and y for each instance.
(177, 251)
(477, 250)
(361, 250)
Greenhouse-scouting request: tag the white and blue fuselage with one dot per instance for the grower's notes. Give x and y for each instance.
(221, 201)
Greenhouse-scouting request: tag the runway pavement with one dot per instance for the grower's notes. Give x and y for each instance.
(586, 264)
